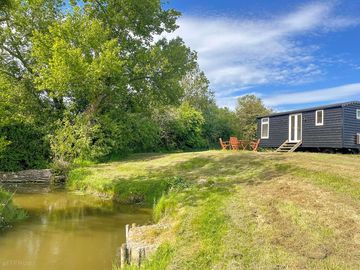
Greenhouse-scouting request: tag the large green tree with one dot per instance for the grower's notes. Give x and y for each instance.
(197, 91)
(87, 72)
(248, 108)
(90, 79)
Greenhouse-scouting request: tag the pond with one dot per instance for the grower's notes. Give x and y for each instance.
(66, 231)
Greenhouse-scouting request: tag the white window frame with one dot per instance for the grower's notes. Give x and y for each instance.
(265, 121)
(322, 118)
(358, 114)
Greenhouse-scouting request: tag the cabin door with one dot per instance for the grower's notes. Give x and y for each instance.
(295, 128)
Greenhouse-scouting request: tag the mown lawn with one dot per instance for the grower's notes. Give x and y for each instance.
(241, 210)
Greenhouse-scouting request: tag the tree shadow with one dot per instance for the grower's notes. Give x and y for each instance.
(221, 175)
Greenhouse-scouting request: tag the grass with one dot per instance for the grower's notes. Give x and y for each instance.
(9, 213)
(241, 210)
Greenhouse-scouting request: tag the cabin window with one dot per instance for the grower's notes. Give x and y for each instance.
(265, 127)
(319, 119)
(358, 114)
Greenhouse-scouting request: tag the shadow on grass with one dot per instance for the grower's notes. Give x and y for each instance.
(217, 172)
(220, 175)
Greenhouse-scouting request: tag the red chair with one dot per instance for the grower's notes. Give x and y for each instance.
(234, 143)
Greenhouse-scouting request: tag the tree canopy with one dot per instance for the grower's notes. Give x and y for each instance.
(248, 108)
(92, 79)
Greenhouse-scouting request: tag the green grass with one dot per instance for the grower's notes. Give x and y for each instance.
(329, 179)
(9, 213)
(332, 181)
(240, 210)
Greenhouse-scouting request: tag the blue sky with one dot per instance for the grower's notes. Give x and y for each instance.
(292, 54)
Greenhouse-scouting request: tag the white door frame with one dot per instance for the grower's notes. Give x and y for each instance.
(296, 126)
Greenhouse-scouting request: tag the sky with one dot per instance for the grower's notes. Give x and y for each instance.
(291, 54)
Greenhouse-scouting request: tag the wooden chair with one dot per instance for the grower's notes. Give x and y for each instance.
(255, 145)
(234, 143)
(224, 144)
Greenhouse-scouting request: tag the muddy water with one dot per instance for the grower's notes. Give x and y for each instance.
(66, 231)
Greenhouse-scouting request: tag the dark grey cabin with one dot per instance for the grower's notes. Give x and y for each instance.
(331, 127)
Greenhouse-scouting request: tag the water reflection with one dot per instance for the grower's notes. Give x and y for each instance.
(66, 231)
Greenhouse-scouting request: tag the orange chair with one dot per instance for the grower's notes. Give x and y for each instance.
(234, 143)
(224, 144)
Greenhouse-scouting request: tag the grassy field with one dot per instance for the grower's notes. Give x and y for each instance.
(241, 210)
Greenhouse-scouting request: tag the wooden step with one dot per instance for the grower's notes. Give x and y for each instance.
(288, 147)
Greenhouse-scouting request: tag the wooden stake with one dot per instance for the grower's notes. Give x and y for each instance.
(123, 256)
(141, 256)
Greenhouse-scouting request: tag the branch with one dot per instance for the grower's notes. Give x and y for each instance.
(18, 54)
(140, 78)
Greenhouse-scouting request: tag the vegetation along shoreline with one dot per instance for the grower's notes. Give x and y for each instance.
(204, 199)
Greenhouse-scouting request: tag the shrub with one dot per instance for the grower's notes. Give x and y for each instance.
(22, 147)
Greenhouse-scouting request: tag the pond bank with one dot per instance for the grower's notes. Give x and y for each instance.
(240, 210)
(9, 213)
(66, 230)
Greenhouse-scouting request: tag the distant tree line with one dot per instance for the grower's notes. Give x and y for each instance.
(89, 80)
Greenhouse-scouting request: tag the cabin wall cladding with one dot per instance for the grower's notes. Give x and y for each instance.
(351, 126)
(339, 130)
(28, 176)
(328, 135)
(278, 132)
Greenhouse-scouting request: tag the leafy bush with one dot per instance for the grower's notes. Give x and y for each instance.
(219, 123)
(132, 132)
(182, 128)
(25, 147)
(77, 138)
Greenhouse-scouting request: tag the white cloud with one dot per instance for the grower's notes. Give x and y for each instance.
(319, 95)
(240, 53)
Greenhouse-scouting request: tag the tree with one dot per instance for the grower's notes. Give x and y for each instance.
(248, 108)
(181, 127)
(88, 79)
(4, 4)
(219, 123)
(101, 59)
(197, 90)
(89, 69)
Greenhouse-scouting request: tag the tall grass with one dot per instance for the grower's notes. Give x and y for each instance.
(8, 212)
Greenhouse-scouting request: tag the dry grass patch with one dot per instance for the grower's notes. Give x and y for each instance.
(289, 223)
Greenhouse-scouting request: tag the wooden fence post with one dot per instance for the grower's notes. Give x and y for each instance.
(124, 256)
